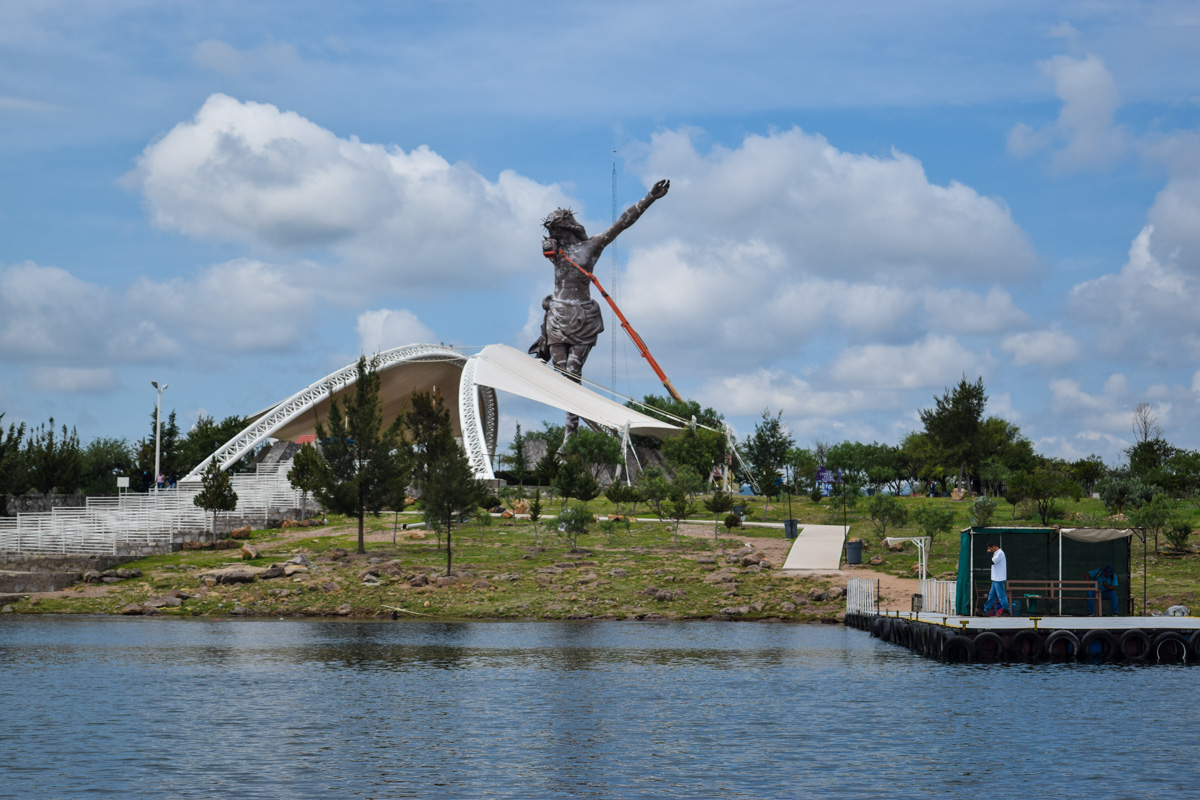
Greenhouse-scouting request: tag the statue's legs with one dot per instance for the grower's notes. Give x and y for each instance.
(570, 359)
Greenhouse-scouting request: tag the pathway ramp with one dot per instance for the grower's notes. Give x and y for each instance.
(817, 547)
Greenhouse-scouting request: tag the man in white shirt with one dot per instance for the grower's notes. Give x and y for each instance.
(997, 599)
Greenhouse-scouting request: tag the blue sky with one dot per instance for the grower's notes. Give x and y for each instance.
(867, 202)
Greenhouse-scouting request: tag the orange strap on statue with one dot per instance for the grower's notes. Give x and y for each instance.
(637, 340)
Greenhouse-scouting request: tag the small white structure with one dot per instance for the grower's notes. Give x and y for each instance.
(468, 384)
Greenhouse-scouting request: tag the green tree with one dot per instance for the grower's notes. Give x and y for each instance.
(216, 492)
(686, 484)
(1155, 516)
(1087, 471)
(718, 505)
(802, 468)
(305, 474)
(203, 440)
(886, 511)
(695, 447)
(573, 480)
(933, 519)
(1117, 492)
(955, 423)
(55, 462)
(1177, 533)
(13, 473)
(429, 429)
(1044, 486)
(767, 449)
(104, 460)
(449, 490)
(572, 522)
(982, 510)
(517, 461)
(535, 512)
(677, 412)
(1147, 458)
(361, 464)
(596, 451)
(168, 461)
(654, 488)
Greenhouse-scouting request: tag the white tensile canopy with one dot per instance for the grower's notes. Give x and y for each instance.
(468, 385)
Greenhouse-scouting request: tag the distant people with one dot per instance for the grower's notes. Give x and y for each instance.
(1106, 585)
(997, 599)
(160, 481)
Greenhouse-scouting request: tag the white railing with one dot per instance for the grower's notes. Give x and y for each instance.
(108, 524)
(861, 596)
(939, 596)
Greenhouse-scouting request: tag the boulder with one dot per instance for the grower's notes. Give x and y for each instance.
(418, 580)
(617, 572)
(787, 606)
(521, 507)
(240, 533)
(506, 514)
(273, 571)
(751, 559)
(224, 544)
(294, 569)
(836, 593)
(133, 609)
(329, 587)
(444, 580)
(817, 595)
(234, 575)
(876, 561)
(894, 547)
(300, 559)
(344, 610)
(736, 611)
(720, 576)
(249, 552)
(91, 576)
(123, 573)
(338, 553)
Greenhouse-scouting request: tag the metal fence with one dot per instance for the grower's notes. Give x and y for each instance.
(862, 596)
(939, 596)
(109, 525)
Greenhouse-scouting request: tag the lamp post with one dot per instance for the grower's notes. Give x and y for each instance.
(158, 430)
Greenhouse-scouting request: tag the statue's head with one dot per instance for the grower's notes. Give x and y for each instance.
(562, 219)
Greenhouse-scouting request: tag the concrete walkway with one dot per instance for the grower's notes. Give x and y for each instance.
(817, 547)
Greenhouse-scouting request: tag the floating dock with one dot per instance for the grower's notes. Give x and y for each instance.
(959, 639)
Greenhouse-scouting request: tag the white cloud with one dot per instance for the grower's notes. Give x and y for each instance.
(828, 211)
(1116, 385)
(933, 361)
(386, 328)
(250, 172)
(748, 301)
(68, 380)
(1084, 133)
(45, 312)
(750, 393)
(1196, 382)
(1146, 311)
(1047, 348)
(238, 306)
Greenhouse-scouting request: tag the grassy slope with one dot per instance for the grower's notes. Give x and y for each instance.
(646, 553)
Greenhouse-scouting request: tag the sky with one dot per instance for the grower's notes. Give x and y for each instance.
(868, 202)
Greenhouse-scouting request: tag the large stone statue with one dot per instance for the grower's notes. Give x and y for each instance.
(573, 319)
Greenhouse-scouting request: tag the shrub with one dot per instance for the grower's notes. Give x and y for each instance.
(982, 511)
(1177, 534)
(733, 521)
(885, 512)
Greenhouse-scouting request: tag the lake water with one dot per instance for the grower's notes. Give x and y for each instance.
(154, 708)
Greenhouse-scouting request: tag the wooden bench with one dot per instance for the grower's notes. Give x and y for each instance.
(1046, 592)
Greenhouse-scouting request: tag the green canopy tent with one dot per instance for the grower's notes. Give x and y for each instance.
(1041, 554)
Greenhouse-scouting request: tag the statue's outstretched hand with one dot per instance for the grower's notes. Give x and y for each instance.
(660, 189)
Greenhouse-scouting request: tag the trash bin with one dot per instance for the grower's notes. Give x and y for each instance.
(790, 528)
(853, 552)
(918, 603)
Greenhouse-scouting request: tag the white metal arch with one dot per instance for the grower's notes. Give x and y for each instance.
(477, 408)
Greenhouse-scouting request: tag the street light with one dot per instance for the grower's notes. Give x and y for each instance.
(157, 429)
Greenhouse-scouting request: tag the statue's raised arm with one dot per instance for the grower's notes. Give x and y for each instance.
(631, 215)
